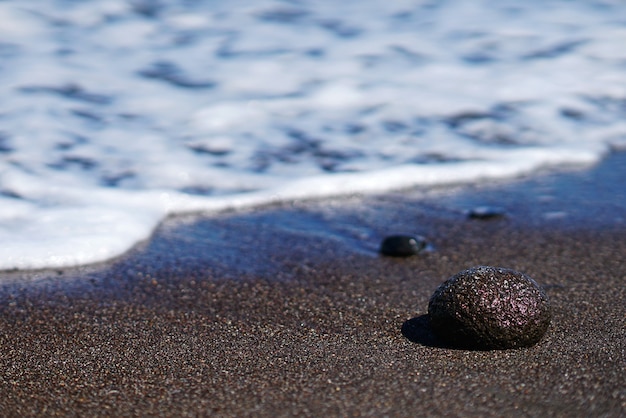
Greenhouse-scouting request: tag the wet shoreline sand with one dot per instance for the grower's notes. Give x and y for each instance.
(290, 311)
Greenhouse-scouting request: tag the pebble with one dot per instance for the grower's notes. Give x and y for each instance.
(489, 308)
(402, 245)
(486, 212)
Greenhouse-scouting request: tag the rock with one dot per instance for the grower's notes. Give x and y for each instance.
(486, 212)
(402, 245)
(489, 308)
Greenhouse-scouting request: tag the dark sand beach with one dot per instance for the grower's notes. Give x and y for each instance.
(290, 311)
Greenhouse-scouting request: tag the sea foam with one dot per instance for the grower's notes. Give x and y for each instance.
(115, 114)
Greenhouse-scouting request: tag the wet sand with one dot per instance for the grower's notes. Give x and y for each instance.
(290, 311)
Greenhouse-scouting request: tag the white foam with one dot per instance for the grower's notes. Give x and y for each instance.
(81, 226)
(115, 115)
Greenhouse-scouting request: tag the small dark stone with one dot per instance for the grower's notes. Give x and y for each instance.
(486, 212)
(402, 245)
(489, 308)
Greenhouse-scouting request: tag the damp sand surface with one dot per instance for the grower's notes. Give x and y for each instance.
(290, 311)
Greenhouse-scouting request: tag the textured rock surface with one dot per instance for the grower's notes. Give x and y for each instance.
(402, 245)
(489, 308)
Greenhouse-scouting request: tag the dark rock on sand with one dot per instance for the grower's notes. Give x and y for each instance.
(402, 245)
(486, 212)
(489, 308)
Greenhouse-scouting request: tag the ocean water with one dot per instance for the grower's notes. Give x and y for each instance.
(117, 113)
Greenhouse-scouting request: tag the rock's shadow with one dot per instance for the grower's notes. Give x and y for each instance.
(418, 330)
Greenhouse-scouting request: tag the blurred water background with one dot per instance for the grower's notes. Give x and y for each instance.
(116, 113)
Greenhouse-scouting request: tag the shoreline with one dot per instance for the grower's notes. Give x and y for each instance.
(291, 311)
